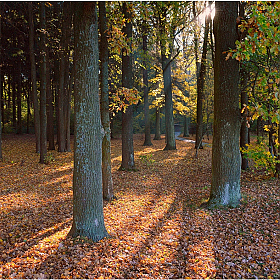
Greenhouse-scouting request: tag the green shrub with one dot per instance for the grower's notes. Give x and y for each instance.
(261, 156)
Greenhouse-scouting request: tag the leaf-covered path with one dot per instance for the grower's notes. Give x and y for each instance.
(156, 227)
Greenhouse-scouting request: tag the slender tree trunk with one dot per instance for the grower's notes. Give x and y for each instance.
(157, 128)
(28, 89)
(88, 218)
(166, 67)
(64, 70)
(68, 114)
(33, 77)
(127, 117)
(67, 78)
(14, 98)
(19, 91)
(107, 183)
(200, 88)
(147, 141)
(244, 131)
(195, 42)
(226, 159)
(43, 85)
(50, 117)
(186, 126)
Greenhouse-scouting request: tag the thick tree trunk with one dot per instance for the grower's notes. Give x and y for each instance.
(147, 141)
(107, 182)
(127, 117)
(43, 86)
(226, 159)
(88, 218)
(33, 77)
(200, 88)
(166, 68)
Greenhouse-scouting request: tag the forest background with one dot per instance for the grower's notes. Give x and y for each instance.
(161, 56)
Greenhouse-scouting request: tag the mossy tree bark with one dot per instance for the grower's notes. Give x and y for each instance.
(88, 218)
(107, 182)
(128, 162)
(226, 159)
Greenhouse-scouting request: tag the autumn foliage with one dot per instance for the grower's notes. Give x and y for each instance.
(156, 227)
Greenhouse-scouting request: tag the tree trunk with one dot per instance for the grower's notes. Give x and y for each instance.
(28, 107)
(19, 90)
(33, 77)
(64, 70)
(43, 85)
(166, 68)
(186, 126)
(244, 131)
(88, 218)
(226, 159)
(200, 88)
(147, 141)
(107, 182)
(50, 117)
(14, 98)
(127, 117)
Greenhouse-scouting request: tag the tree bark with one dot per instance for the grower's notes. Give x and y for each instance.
(186, 126)
(147, 141)
(166, 68)
(64, 70)
(43, 85)
(226, 159)
(157, 128)
(200, 88)
(19, 90)
(50, 117)
(127, 116)
(88, 218)
(107, 182)
(33, 77)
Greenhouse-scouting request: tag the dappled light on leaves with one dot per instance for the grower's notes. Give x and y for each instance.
(156, 227)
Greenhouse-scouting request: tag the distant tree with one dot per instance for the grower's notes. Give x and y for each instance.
(43, 85)
(200, 87)
(226, 169)
(107, 180)
(63, 99)
(166, 69)
(88, 218)
(147, 141)
(128, 162)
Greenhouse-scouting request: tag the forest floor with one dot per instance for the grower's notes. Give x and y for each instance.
(156, 226)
